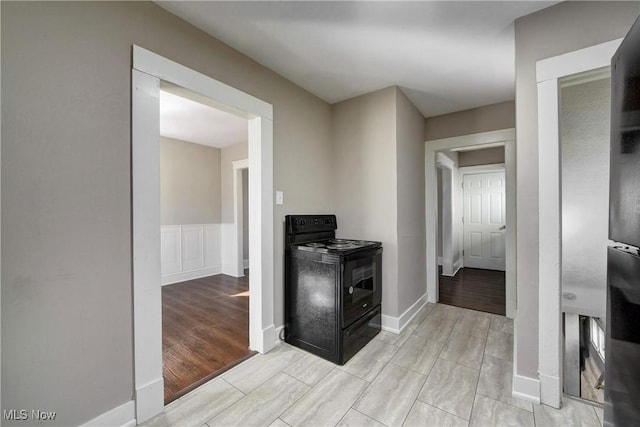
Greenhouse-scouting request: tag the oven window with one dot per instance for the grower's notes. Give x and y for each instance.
(362, 280)
(361, 290)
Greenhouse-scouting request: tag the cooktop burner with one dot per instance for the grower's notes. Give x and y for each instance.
(316, 245)
(317, 233)
(348, 245)
(340, 241)
(337, 245)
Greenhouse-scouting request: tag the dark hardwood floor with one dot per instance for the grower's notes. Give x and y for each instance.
(474, 288)
(205, 331)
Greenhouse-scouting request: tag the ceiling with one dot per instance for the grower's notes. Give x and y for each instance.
(188, 120)
(446, 56)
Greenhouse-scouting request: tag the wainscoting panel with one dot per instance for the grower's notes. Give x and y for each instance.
(190, 251)
(212, 255)
(170, 250)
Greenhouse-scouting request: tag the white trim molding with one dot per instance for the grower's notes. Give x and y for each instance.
(240, 164)
(279, 332)
(123, 415)
(523, 387)
(578, 61)
(526, 388)
(446, 165)
(236, 242)
(504, 137)
(148, 398)
(468, 170)
(147, 72)
(549, 72)
(147, 297)
(397, 324)
(191, 275)
(444, 161)
(224, 96)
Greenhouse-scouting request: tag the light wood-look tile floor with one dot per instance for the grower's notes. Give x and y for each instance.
(449, 367)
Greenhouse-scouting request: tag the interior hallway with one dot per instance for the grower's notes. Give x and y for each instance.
(205, 330)
(476, 289)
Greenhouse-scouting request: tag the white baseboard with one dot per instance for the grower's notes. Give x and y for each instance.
(269, 338)
(190, 275)
(412, 311)
(279, 330)
(390, 324)
(397, 324)
(231, 270)
(245, 263)
(123, 415)
(526, 388)
(457, 265)
(550, 391)
(149, 400)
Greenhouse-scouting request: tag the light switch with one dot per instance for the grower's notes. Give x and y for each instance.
(279, 198)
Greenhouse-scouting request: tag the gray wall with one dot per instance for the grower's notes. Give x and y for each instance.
(228, 155)
(558, 29)
(467, 122)
(411, 202)
(379, 170)
(66, 189)
(189, 183)
(585, 131)
(486, 156)
(364, 135)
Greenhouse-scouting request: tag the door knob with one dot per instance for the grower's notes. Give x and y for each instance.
(502, 228)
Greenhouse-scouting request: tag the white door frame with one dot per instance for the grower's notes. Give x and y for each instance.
(238, 230)
(548, 73)
(148, 69)
(505, 136)
(471, 170)
(446, 165)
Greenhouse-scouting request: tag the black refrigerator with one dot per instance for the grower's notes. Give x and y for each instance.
(622, 345)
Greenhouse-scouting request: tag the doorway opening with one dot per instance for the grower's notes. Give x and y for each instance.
(551, 73)
(471, 158)
(472, 228)
(205, 298)
(148, 70)
(585, 105)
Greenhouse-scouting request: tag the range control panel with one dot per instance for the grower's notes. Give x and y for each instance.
(298, 224)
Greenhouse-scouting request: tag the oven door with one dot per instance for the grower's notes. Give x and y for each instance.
(361, 284)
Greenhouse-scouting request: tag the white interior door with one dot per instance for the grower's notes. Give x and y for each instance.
(484, 220)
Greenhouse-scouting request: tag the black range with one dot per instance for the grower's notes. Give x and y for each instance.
(333, 288)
